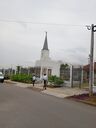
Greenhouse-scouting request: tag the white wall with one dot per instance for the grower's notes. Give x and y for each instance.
(49, 64)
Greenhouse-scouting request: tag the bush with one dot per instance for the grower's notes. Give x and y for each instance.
(55, 81)
(22, 78)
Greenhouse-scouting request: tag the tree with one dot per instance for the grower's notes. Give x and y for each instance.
(64, 66)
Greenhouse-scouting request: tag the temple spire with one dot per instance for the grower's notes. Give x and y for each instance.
(45, 46)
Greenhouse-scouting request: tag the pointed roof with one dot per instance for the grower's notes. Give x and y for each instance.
(45, 46)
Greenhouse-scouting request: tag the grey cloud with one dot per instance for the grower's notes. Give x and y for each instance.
(21, 42)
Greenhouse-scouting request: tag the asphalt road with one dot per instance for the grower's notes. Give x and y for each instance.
(24, 108)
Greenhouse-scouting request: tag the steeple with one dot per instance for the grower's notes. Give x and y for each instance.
(45, 50)
(45, 46)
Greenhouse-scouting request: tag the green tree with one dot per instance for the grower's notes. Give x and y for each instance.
(64, 66)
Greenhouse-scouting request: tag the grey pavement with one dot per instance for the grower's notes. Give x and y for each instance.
(25, 108)
(61, 92)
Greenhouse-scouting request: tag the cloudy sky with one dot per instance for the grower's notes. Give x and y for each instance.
(23, 24)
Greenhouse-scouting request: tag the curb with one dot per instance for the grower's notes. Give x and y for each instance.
(82, 101)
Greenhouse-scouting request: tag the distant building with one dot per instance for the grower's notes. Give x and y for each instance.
(47, 65)
(86, 72)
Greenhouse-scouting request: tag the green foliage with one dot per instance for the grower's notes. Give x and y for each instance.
(22, 78)
(64, 66)
(56, 81)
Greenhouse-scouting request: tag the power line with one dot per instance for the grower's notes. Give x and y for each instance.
(41, 23)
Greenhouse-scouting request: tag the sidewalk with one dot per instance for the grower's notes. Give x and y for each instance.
(61, 92)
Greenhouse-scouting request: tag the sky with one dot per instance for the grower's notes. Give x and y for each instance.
(23, 24)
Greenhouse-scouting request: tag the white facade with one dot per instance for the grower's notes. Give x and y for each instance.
(47, 65)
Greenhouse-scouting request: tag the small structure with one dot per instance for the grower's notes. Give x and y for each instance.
(86, 72)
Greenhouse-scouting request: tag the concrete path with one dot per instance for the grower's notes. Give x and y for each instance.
(61, 92)
(64, 92)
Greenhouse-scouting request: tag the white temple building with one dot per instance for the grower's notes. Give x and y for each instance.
(47, 65)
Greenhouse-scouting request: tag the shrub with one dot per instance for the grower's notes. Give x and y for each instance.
(22, 78)
(55, 81)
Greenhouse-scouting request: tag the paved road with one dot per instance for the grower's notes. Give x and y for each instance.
(24, 108)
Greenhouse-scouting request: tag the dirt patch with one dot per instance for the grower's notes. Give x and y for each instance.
(85, 98)
(35, 89)
(9, 82)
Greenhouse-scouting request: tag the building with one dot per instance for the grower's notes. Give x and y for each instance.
(86, 69)
(47, 65)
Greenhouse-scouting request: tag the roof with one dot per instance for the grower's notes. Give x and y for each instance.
(45, 46)
(86, 67)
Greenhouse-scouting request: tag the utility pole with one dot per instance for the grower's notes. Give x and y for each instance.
(71, 76)
(80, 76)
(91, 69)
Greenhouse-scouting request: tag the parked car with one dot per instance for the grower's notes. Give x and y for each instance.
(1, 77)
